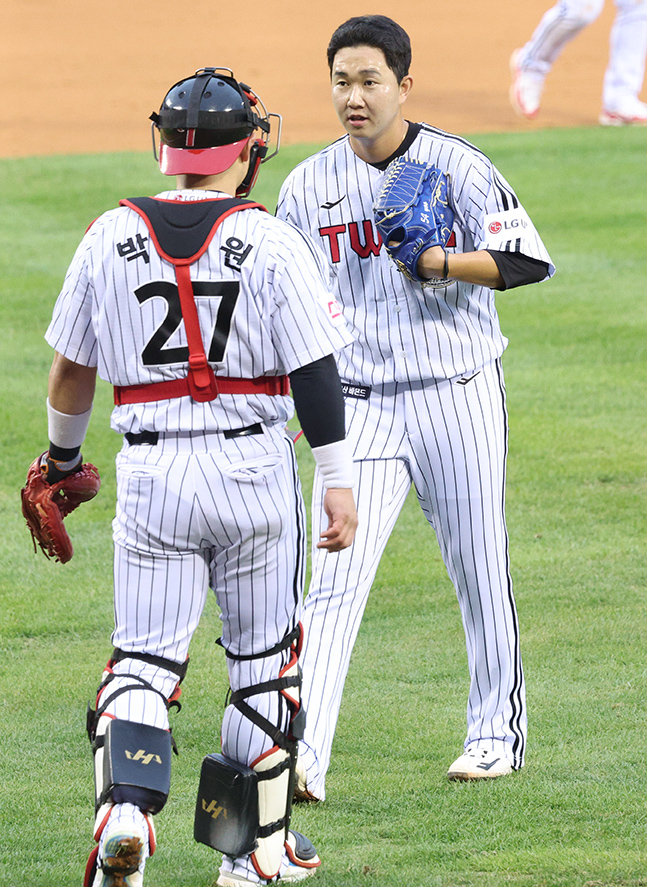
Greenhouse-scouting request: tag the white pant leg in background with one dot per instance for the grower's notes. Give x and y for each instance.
(458, 440)
(558, 26)
(454, 449)
(335, 604)
(625, 73)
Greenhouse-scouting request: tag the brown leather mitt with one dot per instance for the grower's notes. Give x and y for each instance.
(44, 505)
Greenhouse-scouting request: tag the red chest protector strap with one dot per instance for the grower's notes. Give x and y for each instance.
(181, 232)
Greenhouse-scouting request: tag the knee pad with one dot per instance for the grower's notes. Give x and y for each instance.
(226, 814)
(243, 811)
(246, 810)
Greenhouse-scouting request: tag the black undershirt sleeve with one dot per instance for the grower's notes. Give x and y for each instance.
(318, 401)
(517, 269)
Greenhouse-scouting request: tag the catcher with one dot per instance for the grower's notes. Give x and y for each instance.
(202, 311)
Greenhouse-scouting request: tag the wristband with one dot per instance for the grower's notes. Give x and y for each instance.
(335, 462)
(66, 431)
(446, 265)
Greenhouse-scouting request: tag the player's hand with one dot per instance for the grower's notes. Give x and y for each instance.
(339, 505)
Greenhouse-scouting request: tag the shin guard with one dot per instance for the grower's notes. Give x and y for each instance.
(272, 774)
(226, 813)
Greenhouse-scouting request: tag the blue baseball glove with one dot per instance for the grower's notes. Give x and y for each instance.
(412, 211)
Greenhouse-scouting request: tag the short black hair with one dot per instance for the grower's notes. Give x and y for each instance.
(378, 31)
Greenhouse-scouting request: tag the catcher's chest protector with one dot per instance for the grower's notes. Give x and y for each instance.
(181, 232)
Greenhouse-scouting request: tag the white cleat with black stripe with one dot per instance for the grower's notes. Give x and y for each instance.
(479, 763)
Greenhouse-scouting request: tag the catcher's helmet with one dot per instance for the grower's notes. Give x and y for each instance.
(206, 120)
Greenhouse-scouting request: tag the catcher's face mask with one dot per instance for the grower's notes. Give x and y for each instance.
(206, 120)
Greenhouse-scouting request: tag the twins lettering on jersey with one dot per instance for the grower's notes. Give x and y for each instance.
(371, 245)
(367, 244)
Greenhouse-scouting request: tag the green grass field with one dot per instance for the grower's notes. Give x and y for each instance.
(576, 369)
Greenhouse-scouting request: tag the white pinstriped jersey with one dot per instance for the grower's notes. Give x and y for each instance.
(406, 332)
(119, 310)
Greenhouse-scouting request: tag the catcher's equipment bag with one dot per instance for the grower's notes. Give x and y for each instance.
(412, 214)
(45, 505)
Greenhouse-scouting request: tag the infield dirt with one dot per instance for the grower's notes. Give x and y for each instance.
(84, 76)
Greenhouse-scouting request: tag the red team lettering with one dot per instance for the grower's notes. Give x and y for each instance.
(372, 240)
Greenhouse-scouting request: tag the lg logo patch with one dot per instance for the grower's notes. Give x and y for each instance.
(508, 225)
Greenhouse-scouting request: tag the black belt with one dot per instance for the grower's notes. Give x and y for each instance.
(151, 437)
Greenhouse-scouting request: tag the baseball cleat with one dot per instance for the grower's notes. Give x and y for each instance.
(479, 763)
(302, 795)
(300, 861)
(119, 859)
(632, 112)
(123, 854)
(526, 89)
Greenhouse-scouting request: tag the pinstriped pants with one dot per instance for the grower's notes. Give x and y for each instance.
(195, 512)
(449, 439)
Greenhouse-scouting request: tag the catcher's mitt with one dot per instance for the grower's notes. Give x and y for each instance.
(412, 209)
(44, 505)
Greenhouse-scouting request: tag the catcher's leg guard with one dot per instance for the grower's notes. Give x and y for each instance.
(274, 779)
(132, 763)
(272, 773)
(132, 760)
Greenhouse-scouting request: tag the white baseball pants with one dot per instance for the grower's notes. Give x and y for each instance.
(625, 71)
(198, 511)
(450, 439)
